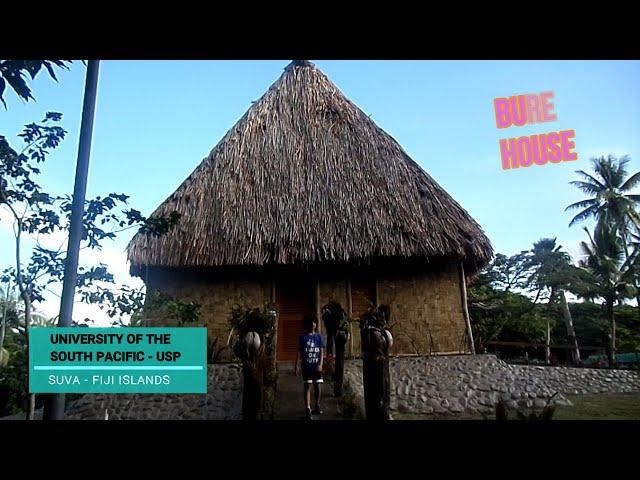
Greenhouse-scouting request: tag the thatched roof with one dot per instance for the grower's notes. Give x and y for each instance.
(305, 176)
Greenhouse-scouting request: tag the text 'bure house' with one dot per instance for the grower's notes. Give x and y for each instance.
(306, 200)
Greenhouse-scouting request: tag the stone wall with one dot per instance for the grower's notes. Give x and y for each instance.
(580, 381)
(222, 402)
(428, 310)
(466, 384)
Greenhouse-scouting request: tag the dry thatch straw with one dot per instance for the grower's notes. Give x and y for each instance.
(305, 176)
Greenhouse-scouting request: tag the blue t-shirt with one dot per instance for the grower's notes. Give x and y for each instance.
(310, 347)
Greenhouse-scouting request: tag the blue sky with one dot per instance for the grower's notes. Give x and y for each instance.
(156, 120)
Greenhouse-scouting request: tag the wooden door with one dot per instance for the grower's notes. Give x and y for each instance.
(295, 300)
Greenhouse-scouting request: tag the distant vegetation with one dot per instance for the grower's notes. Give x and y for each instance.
(522, 298)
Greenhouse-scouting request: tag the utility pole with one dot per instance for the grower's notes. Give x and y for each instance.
(54, 404)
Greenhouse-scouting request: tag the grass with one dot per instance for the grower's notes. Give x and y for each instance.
(347, 405)
(602, 406)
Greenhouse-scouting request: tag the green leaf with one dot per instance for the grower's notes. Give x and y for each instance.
(2, 86)
(52, 73)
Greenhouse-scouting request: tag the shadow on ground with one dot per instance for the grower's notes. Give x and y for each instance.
(289, 403)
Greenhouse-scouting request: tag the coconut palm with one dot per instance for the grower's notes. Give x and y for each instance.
(610, 190)
(552, 271)
(611, 199)
(611, 271)
(13, 314)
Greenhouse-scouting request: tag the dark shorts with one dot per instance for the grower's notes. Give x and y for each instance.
(311, 376)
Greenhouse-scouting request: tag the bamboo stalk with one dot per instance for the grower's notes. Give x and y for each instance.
(350, 313)
(465, 309)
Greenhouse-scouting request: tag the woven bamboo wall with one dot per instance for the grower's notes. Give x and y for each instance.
(426, 306)
(216, 299)
(428, 310)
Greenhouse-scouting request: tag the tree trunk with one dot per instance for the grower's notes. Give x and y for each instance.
(26, 298)
(3, 327)
(547, 341)
(31, 404)
(612, 339)
(547, 337)
(571, 334)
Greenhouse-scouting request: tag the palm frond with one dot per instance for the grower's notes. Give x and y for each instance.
(582, 204)
(587, 187)
(631, 182)
(584, 215)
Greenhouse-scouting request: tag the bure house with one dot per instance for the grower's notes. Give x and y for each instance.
(306, 200)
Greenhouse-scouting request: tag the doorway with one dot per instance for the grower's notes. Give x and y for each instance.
(295, 300)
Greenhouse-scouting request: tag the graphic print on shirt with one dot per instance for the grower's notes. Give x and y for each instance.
(311, 346)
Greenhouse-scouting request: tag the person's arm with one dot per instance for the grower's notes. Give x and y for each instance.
(321, 357)
(321, 354)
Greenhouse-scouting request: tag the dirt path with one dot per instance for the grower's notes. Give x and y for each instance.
(289, 400)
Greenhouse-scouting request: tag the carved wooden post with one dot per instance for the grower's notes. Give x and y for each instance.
(376, 341)
(386, 378)
(330, 338)
(251, 349)
(334, 318)
(252, 391)
(254, 346)
(368, 378)
(338, 377)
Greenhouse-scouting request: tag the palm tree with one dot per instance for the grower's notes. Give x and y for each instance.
(552, 270)
(611, 201)
(612, 273)
(14, 316)
(610, 189)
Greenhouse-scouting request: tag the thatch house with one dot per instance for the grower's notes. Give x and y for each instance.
(306, 200)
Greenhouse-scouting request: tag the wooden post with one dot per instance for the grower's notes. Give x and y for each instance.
(318, 315)
(273, 290)
(350, 312)
(465, 308)
(338, 377)
(251, 392)
(275, 327)
(376, 300)
(375, 374)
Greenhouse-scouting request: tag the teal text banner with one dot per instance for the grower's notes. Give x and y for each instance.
(117, 360)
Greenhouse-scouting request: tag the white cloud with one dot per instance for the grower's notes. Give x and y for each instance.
(575, 250)
(110, 255)
(6, 219)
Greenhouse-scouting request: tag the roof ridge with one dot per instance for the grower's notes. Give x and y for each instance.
(299, 64)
